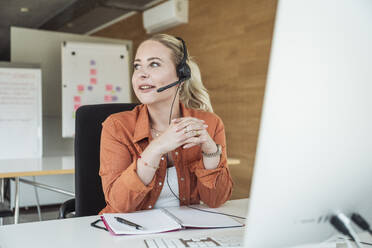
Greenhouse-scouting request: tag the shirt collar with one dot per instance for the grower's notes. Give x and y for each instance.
(142, 129)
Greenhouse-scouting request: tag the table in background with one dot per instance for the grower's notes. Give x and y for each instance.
(233, 161)
(17, 168)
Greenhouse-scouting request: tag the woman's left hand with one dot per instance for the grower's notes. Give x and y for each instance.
(197, 134)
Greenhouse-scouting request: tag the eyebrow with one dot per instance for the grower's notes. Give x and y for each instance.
(149, 59)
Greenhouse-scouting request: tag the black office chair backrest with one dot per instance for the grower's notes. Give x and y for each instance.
(89, 198)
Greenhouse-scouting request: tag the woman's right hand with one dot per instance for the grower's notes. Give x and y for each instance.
(177, 133)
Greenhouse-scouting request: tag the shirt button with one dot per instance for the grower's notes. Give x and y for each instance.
(160, 183)
(176, 153)
(150, 206)
(183, 199)
(182, 179)
(162, 158)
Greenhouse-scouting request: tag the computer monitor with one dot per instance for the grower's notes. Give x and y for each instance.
(314, 153)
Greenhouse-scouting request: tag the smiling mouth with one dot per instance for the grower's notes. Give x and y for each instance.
(146, 87)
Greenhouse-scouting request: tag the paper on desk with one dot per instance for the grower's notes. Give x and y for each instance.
(194, 218)
(153, 221)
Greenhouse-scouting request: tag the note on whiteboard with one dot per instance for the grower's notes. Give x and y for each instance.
(20, 113)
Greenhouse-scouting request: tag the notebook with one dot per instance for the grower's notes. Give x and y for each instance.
(167, 219)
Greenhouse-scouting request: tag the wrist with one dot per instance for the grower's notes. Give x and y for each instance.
(156, 149)
(216, 153)
(209, 147)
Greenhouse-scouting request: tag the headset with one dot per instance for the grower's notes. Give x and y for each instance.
(183, 69)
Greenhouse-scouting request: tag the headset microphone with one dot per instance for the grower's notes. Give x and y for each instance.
(183, 70)
(169, 86)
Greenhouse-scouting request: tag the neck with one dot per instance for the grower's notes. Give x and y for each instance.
(159, 114)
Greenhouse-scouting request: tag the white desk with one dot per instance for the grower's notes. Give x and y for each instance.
(16, 168)
(77, 232)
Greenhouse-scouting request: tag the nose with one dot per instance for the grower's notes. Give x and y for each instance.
(142, 73)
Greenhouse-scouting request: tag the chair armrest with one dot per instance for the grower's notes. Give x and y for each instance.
(67, 208)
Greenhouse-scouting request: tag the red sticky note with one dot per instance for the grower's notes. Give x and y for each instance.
(77, 98)
(93, 80)
(108, 98)
(80, 87)
(76, 106)
(109, 87)
(93, 72)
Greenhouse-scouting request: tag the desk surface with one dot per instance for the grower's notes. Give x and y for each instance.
(36, 166)
(76, 232)
(47, 166)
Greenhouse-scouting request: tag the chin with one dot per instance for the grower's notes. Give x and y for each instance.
(146, 99)
(152, 101)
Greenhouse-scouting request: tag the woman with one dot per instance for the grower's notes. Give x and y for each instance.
(149, 162)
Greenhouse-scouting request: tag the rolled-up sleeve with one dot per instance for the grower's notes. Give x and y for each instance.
(214, 186)
(122, 187)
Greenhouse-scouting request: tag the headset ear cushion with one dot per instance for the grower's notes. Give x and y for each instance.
(183, 71)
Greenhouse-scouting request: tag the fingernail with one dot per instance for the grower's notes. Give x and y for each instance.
(205, 125)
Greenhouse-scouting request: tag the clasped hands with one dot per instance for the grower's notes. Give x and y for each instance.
(186, 132)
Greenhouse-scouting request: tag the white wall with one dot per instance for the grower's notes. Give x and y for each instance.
(44, 48)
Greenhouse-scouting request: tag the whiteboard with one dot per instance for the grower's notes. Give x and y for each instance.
(20, 113)
(92, 73)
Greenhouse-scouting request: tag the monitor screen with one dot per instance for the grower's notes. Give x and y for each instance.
(314, 153)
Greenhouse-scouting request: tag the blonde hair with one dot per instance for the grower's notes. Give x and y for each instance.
(193, 94)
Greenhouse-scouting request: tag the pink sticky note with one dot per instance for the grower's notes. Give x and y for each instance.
(80, 87)
(93, 80)
(93, 72)
(109, 87)
(76, 106)
(77, 99)
(108, 98)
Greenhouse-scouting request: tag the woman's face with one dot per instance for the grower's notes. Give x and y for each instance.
(153, 68)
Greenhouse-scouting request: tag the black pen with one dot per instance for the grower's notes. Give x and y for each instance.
(129, 223)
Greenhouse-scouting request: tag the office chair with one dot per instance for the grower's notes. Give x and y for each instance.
(89, 197)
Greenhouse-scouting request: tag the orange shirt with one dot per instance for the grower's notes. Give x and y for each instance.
(126, 134)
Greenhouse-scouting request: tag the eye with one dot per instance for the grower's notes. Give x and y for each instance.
(154, 64)
(136, 66)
